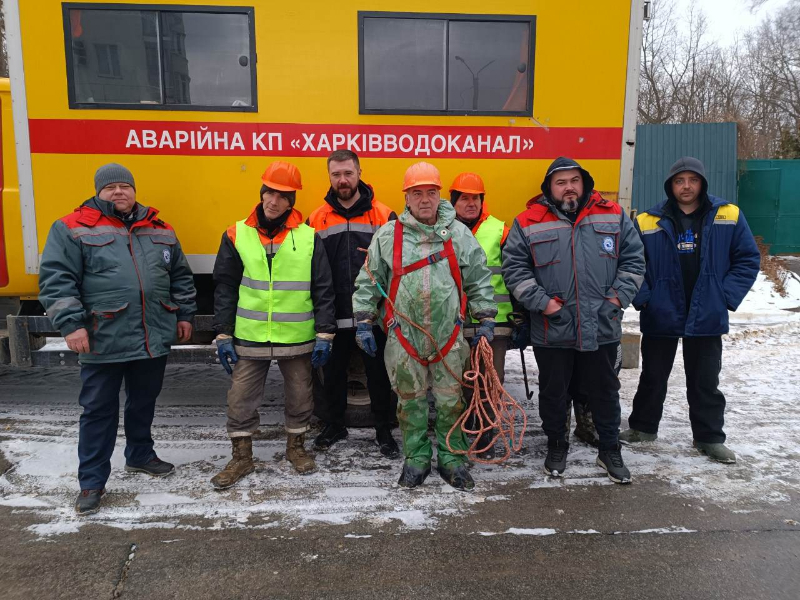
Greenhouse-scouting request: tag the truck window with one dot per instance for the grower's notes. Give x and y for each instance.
(420, 63)
(173, 58)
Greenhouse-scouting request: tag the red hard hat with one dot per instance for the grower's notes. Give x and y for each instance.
(282, 176)
(468, 183)
(421, 173)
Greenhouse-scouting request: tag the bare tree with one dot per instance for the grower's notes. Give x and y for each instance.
(686, 78)
(3, 54)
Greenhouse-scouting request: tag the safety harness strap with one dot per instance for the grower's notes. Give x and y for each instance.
(398, 270)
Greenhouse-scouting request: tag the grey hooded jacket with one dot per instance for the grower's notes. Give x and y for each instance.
(585, 264)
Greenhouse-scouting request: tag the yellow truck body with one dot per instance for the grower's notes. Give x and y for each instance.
(315, 71)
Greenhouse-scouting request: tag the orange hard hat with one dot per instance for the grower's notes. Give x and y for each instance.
(421, 173)
(468, 183)
(282, 176)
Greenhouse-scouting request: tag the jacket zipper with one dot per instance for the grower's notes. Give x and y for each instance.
(141, 289)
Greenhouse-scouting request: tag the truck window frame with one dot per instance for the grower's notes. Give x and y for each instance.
(479, 18)
(159, 8)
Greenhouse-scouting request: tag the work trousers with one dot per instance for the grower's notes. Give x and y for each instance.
(335, 383)
(411, 380)
(99, 398)
(247, 394)
(556, 368)
(702, 363)
(578, 386)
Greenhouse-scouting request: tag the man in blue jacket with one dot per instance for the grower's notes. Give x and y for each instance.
(701, 262)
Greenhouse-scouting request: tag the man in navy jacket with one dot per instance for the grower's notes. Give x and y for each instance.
(701, 262)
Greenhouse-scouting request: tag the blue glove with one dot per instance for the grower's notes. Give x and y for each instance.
(486, 330)
(521, 336)
(227, 355)
(321, 353)
(366, 339)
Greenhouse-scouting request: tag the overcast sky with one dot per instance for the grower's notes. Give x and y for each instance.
(726, 18)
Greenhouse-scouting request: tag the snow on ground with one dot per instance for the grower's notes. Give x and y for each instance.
(355, 485)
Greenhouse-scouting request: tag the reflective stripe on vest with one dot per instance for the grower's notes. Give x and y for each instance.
(489, 236)
(275, 306)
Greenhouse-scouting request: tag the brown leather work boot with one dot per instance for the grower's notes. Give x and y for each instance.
(240, 465)
(296, 454)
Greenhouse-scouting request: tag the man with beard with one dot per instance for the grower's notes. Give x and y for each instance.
(273, 301)
(686, 295)
(346, 223)
(574, 261)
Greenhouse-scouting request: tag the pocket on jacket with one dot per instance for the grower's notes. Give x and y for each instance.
(609, 322)
(711, 315)
(166, 322)
(160, 251)
(557, 329)
(109, 328)
(663, 315)
(544, 248)
(607, 235)
(100, 252)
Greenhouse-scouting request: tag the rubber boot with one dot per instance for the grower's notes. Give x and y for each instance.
(457, 476)
(413, 476)
(296, 454)
(240, 465)
(584, 425)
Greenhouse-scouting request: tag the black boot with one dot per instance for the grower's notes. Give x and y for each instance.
(556, 462)
(88, 502)
(611, 460)
(386, 443)
(412, 476)
(330, 435)
(483, 442)
(457, 476)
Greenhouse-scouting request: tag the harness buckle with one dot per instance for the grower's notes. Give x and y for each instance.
(392, 324)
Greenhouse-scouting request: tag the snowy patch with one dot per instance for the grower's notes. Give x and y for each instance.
(24, 502)
(660, 530)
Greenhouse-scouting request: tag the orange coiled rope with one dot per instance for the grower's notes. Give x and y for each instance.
(494, 408)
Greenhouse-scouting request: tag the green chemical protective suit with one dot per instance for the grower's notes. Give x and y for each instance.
(429, 297)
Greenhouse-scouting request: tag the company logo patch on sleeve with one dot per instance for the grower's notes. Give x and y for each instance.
(167, 256)
(608, 244)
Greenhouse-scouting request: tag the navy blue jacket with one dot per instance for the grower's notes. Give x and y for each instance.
(729, 264)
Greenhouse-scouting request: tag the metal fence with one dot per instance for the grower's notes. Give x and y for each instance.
(659, 146)
(769, 195)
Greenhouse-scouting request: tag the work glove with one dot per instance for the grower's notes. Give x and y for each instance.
(226, 353)
(486, 330)
(321, 353)
(366, 339)
(521, 336)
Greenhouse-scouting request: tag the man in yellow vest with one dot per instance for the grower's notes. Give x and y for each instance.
(273, 301)
(467, 195)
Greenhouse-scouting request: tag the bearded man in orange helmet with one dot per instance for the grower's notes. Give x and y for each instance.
(467, 195)
(435, 273)
(273, 301)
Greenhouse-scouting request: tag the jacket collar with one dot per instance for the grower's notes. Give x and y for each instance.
(661, 210)
(94, 209)
(295, 220)
(362, 205)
